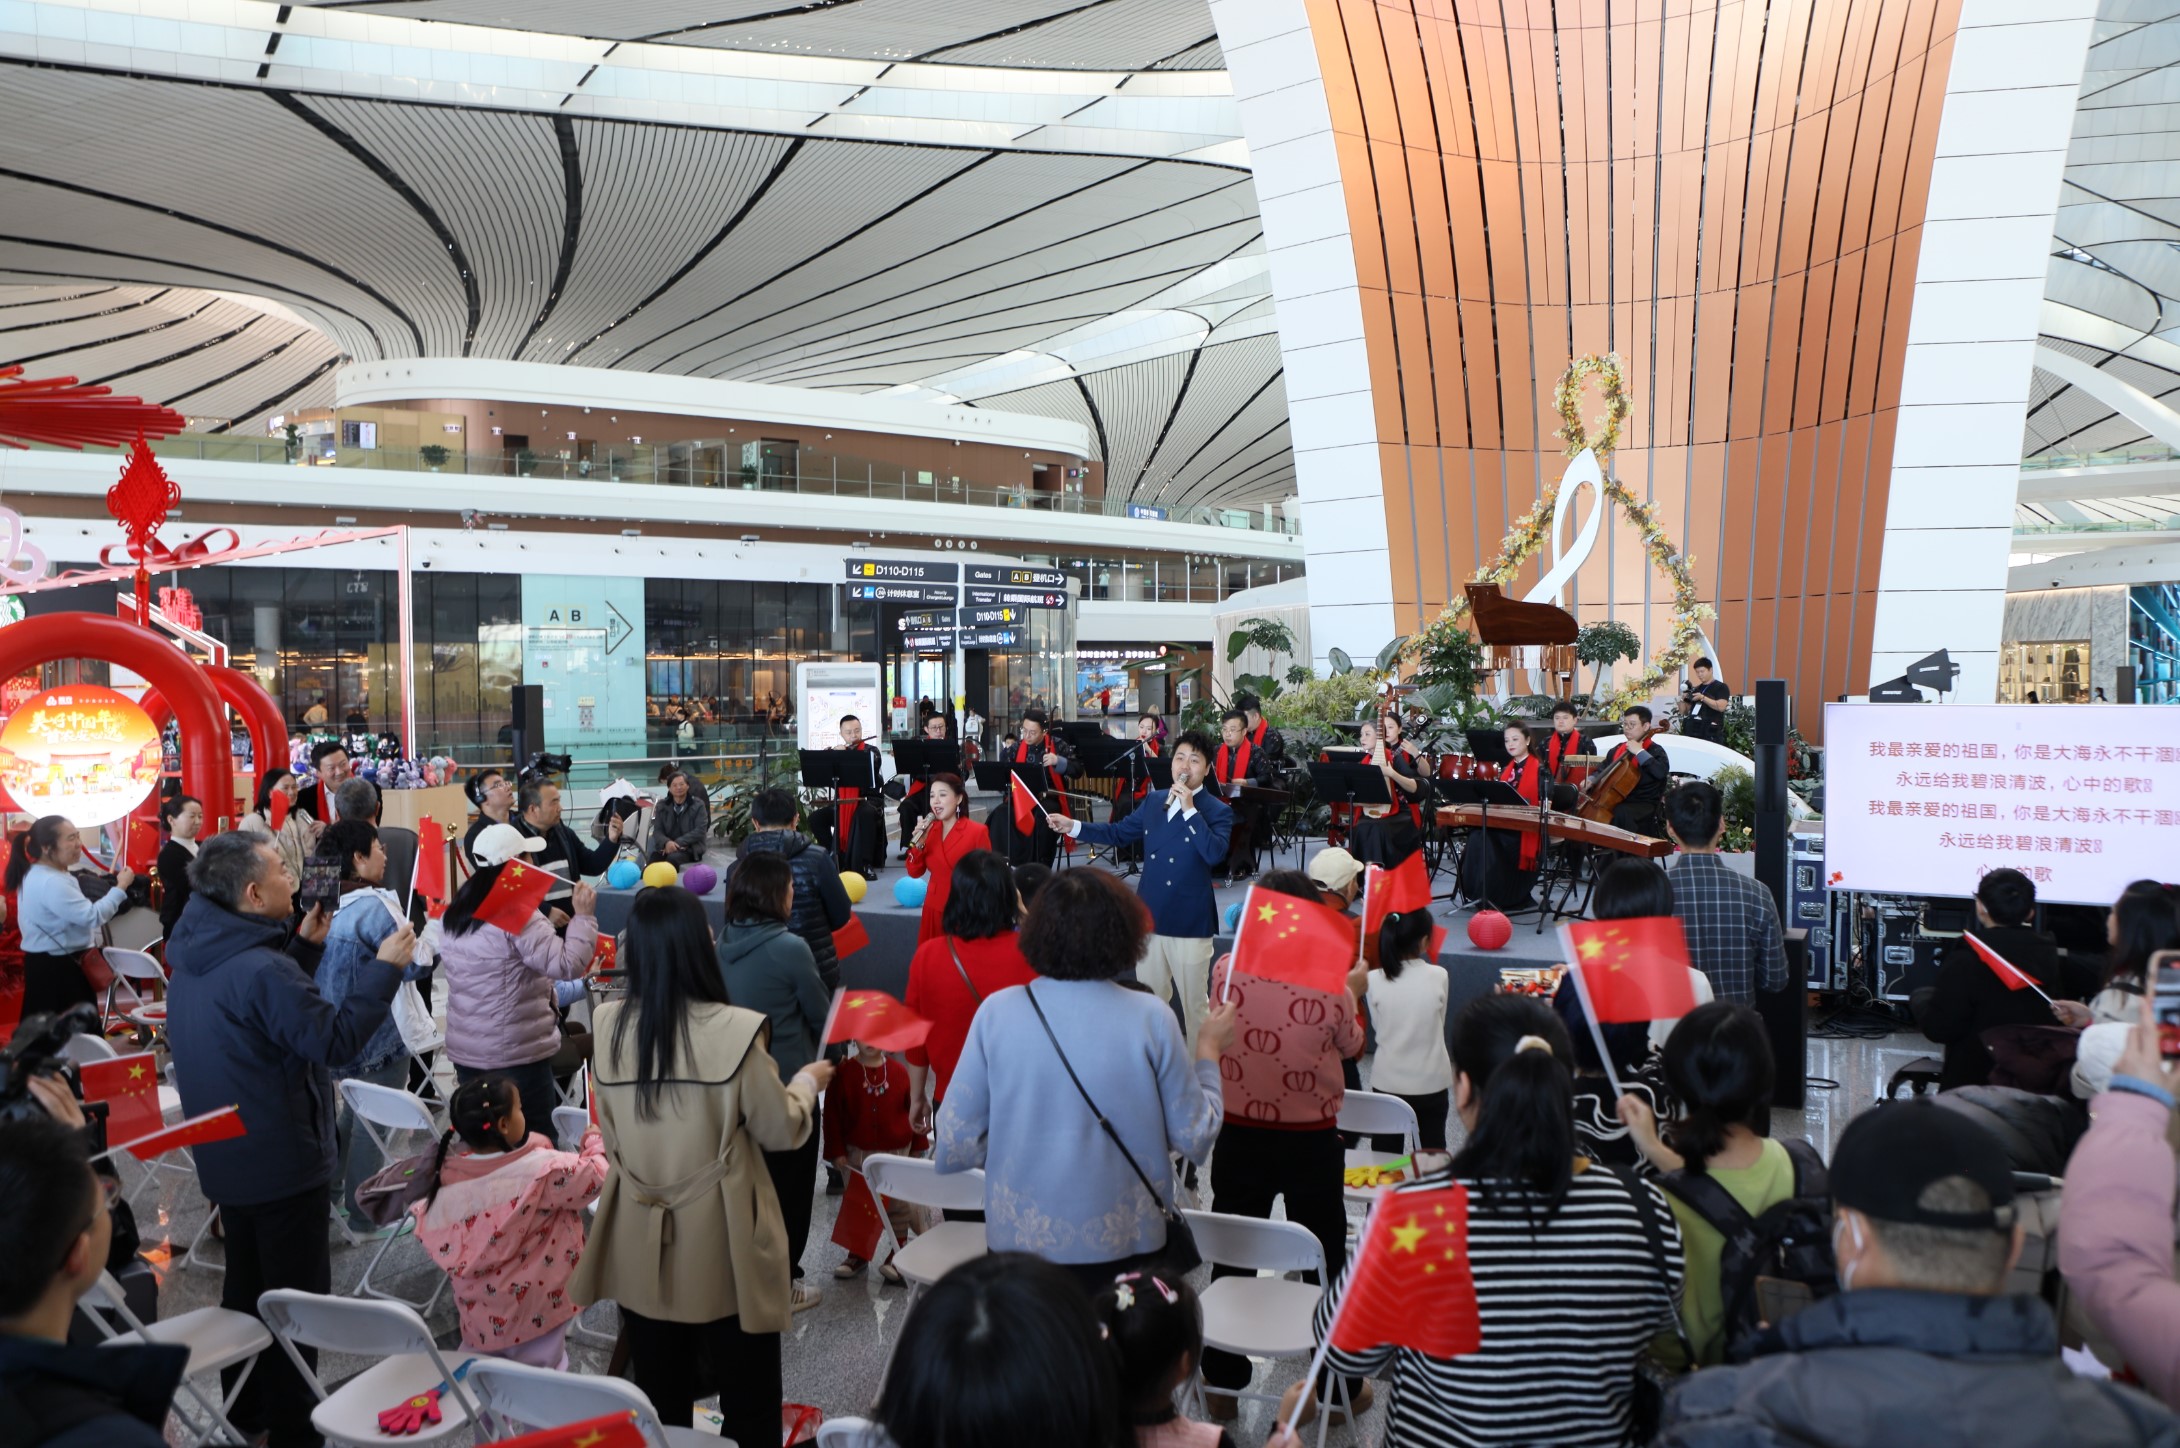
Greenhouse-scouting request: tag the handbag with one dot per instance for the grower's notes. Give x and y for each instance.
(1653, 1380)
(1180, 1254)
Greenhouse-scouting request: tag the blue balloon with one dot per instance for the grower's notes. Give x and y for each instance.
(1233, 916)
(624, 874)
(909, 892)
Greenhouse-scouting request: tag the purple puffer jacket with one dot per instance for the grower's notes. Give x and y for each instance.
(2116, 1231)
(500, 990)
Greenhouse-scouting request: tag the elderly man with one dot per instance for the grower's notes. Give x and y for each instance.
(247, 1026)
(537, 813)
(330, 763)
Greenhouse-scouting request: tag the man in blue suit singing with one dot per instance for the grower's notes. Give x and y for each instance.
(1183, 842)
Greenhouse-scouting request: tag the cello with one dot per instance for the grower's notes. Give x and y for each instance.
(1607, 787)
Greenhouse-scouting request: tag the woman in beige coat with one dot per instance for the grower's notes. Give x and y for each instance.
(688, 1238)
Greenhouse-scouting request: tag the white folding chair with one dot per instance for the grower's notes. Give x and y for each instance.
(850, 1433)
(1258, 1316)
(1373, 1113)
(217, 1338)
(83, 1049)
(385, 1112)
(409, 1363)
(515, 1398)
(946, 1246)
(134, 969)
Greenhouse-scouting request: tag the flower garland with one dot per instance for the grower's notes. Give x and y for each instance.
(1529, 532)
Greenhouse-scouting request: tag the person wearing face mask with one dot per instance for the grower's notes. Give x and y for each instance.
(1922, 1343)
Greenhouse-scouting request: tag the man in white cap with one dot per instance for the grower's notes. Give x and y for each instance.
(1338, 877)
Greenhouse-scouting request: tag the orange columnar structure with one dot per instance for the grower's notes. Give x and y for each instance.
(1729, 195)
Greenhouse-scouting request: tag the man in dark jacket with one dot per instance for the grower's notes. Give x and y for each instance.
(681, 823)
(54, 1235)
(537, 813)
(1920, 1347)
(247, 1027)
(821, 904)
(1969, 998)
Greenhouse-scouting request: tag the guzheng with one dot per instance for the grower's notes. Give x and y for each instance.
(1563, 827)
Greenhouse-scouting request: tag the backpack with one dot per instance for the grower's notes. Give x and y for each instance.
(1773, 1264)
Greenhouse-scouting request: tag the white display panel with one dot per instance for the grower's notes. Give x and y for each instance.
(1926, 799)
(826, 692)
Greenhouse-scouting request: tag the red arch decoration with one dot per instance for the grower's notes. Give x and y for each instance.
(207, 766)
(260, 715)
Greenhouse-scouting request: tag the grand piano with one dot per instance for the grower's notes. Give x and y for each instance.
(1510, 630)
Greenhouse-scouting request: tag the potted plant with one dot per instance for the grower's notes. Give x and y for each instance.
(434, 455)
(525, 463)
(1601, 645)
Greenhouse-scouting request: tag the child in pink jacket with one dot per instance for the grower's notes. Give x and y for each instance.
(505, 1222)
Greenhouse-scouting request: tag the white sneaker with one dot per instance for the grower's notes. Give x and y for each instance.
(803, 1295)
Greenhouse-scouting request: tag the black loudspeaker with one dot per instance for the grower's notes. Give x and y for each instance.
(1772, 710)
(529, 721)
(2123, 686)
(1785, 1015)
(1904, 953)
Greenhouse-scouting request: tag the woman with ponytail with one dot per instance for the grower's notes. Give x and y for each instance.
(504, 1220)
(1718, 1066)
(58, 923)
(1576, 1265)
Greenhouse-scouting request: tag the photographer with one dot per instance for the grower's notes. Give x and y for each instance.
(54, 1235)
(1705, 699)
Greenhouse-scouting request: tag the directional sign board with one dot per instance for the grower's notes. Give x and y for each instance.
(902, 592)
(1015, 598)
(941, 641)
(926, 621)
(996, 638)
(990, 617)
(1016, 577)
(903, 570)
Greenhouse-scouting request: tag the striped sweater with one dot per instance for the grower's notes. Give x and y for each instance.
(1567, 1308)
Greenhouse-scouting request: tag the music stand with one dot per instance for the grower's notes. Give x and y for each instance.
(836, 770)
(1488, 746)
(921, 758)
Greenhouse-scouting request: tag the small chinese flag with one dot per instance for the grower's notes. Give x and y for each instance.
(1633, 970)
(614, 1430)
(515, 896)
(1405, 887)
(139, 845)
(430, 879)
(129, 1085)
(1304, 944)
(277, 805)
(858, 1231)
(224, 1124)
(1411, 1286)
(1025, 804)
(877, 1020)
(2009, 974)
(850, 938)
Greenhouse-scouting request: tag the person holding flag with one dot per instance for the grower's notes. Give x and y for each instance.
(2003, 973)
(1294, 976)
(246, 1026)
(1509, 1300)
(1183, 842)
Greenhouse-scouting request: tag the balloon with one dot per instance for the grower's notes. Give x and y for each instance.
(1233, 916)
(660, 875)
(623, 874)
(909, 892)
(855, 883)
(1489, 930)
(700, 878)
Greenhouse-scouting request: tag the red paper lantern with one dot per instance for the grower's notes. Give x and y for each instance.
(1489, 930)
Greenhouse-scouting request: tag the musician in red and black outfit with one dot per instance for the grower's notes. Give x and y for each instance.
(915, 800)
(1033, 746)
(1237, 762)
(1387, 834)
(854, 831)
(1264, 741)
(1500, 865)
(1561, 745)
(1642, 810)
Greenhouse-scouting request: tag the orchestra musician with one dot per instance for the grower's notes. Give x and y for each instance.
(916, 802)
(1706, 700)
(1264, 740)
(1238, 762)
(1561, 745)
(1127, 796)
(853, 831)
(1641, 810)
(1387, 834)
(1500, 864)
(1032, 745)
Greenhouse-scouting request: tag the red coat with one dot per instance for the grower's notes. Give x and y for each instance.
(942, 848)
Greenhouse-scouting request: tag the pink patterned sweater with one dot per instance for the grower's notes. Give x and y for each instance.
(508, 1230)
(1284, 1069)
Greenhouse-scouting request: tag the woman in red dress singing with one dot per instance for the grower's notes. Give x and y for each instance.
(941, 839)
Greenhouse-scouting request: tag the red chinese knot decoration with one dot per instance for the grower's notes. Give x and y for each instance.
(140, 502)
(63, 413)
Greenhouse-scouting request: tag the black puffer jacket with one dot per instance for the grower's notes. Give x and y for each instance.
(821, 903)
(2039, 1132)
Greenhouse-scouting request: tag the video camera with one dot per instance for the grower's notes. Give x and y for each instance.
(37, 1050)
(543, 766)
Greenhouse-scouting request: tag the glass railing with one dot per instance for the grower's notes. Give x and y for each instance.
(2116, 458)
(714, 464)
(2127, 525)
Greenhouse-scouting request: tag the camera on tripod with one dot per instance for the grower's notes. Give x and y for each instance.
(543, 766)
(37, 1050)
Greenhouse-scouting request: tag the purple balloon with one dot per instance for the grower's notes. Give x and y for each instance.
(700, 879)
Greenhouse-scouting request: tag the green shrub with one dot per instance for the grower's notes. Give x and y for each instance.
(1321, 701)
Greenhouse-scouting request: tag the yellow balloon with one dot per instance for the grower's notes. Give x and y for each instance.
(855, 885)
(660, 874)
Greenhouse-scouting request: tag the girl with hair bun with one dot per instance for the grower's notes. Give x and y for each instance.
(504, 1220)
(1156, 1328)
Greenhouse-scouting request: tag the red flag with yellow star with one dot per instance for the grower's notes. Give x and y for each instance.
(1633, 970)
(877, 1020)
(514, 896)
(129, 1085)
(1282, 938)
(1411, 1285)
(614, 1430)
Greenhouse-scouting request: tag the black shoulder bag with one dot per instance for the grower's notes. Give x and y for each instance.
(1180, 1252)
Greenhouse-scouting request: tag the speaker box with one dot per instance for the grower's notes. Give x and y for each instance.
(1809, 907)
(1904, 953)
(529, 721)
